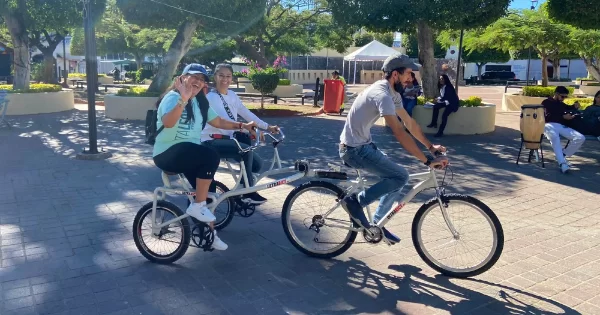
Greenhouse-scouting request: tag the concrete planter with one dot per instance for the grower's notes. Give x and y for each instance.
(40, 103)
(128, 107)
(511, 102)
(466, 121)
(106, 80)
(551, 83)
(589, 90)
(585, 82)
(281, 90)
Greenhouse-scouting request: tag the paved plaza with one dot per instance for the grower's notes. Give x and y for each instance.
(67, 248)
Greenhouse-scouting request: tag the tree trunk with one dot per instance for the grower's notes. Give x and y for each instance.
(479, 69)
(544, 70)
(179, 47)
(49, 76)
(16, 27)
(248, 50)
(592, 68)
(429, 73)
(556, 68)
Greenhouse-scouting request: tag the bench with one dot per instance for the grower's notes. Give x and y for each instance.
(3, 108)
(119, 86)
(303, 96)
(258, 95)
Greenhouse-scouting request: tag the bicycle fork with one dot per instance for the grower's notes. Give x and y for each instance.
(439, 193)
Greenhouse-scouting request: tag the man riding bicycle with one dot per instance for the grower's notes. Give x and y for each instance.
(382, 99)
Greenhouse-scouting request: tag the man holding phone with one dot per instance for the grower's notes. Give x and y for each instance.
(557, 115)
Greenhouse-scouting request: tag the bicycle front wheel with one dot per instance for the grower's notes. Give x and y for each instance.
(309, 226)
(479, 240)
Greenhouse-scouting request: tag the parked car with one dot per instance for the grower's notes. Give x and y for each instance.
(493, 78)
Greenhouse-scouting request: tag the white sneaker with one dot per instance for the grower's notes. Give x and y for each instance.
(218, 244)
(200, 212)
(564, 168)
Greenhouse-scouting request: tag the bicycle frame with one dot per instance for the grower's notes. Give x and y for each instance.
(427, 181)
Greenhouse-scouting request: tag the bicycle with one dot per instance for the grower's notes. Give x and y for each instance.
(314, 226)
(173, 220)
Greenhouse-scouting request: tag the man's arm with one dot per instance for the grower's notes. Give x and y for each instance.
(414, 128)
(404, 138)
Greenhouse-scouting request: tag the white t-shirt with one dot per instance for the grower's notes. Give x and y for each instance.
(235, 107)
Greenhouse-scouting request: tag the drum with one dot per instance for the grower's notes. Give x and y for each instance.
(532, 125)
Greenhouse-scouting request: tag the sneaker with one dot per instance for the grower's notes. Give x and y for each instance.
(564, 167)
(353, 207)
(218, 244)
(254, 199)
(390, 236)
(598, 138)
(200, 212)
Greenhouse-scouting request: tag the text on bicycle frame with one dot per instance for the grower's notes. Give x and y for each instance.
(396, 210)
(277, 183)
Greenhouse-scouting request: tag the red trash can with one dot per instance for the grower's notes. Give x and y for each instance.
(333, 96)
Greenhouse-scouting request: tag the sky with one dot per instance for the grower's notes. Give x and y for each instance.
(523, 4)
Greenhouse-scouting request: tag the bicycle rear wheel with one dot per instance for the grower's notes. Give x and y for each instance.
(480, 236)
(224, 211)
(307, 228)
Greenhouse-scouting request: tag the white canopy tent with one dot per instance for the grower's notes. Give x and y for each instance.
(373, 51)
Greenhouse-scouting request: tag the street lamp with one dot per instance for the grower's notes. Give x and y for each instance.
(533, 5)
(65, 72)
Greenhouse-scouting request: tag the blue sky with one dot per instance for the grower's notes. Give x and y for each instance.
(523, 4)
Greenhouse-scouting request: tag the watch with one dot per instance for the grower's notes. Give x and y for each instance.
(429, 159)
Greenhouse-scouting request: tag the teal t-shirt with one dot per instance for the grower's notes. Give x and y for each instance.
(182, 131)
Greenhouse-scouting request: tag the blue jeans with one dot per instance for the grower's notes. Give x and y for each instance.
(394, 177)
(409, 104)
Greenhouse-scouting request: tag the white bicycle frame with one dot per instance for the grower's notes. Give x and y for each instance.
(427, 181)
(215, 198)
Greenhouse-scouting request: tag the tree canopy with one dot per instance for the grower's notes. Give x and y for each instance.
(580, 13)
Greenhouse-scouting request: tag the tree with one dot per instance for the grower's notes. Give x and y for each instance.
(587, 44)
(14, 13)
(385, 38)
(579, 13)
(528, 28)
(421, 16)
(187, 16)
(473, 51)
(410, 42)
(363, 39)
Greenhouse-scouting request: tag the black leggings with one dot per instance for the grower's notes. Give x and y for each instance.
(193, 160)
(436, 112)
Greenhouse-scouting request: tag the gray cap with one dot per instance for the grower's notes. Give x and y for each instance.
(399, 61)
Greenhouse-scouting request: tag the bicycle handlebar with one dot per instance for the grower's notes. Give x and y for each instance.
(257, 143)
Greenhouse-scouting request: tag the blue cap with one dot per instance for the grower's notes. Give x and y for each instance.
(194, 68)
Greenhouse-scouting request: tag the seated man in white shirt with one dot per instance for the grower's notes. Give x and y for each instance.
(228, 105)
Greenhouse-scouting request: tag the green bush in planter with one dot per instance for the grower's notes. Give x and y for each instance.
(583, 102)
(265, 83)
(137, 92)
(33, 88)
(473, 101)
(540, 91)
(285, 82)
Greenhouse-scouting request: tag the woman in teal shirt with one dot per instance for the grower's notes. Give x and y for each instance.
(182, 114)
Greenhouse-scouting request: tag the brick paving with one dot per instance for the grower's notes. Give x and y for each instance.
(67, 248)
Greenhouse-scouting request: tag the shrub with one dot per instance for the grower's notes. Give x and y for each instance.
(540, 91)
(137, 92)
(242, 74)
(284, 82)
(584, 102)
(83, 75)
(33, 88)
(593, 84)
(473, 101)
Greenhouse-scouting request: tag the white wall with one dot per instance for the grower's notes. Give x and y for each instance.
(519, 67)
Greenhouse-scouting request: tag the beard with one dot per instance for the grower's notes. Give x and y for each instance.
(399, 87)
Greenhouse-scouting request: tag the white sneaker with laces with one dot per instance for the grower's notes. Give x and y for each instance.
(199, 211)
(564, 168)
(218, 244)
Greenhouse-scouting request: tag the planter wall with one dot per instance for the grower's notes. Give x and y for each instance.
(589, 90)
(551, 83)
(466, 121)
(281, 90)
(128, 107)
(40, 103)
(511, 102)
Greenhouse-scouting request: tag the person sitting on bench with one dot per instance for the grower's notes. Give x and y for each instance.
(591, 117)
(557, 114)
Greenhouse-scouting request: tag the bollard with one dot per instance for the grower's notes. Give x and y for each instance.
(316, 96)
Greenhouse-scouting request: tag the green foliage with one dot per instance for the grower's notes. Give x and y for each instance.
(583, 102)
(473, 49)
(587, 44)
(472, 101)
(284, 82)
(238, 74)
(579, 13)
(83, 75)
(264, 82)
(541, 91)
(593, 84)
(33, 88)
(37, 72)
(409, 40)
(137, 92)
(363, 39)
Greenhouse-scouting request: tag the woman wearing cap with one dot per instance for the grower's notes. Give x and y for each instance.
(183, 112)
(228, 105)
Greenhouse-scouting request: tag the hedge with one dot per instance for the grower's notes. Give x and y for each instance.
(284, 82)
(584, 102)
(540, 91)
(137, 92)
(33, 88)
(83, 75)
